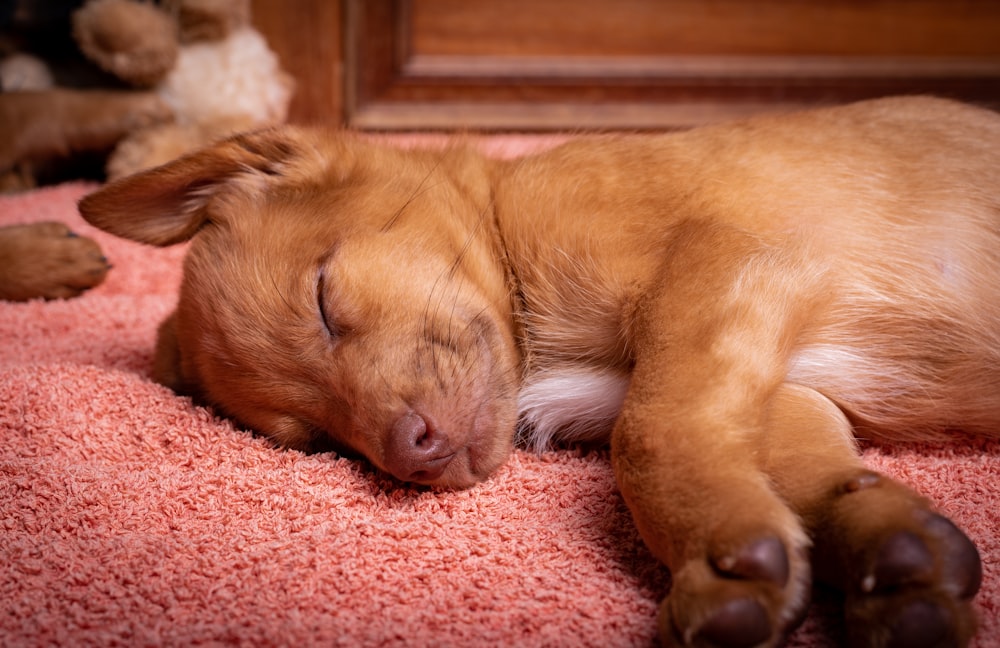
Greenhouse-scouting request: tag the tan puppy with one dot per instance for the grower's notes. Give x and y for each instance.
(728, 306)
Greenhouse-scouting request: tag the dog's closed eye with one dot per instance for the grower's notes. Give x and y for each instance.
(334, 329)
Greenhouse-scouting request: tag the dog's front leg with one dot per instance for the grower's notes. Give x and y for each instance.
(711, 345)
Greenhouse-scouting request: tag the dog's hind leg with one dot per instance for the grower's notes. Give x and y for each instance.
(907, 573)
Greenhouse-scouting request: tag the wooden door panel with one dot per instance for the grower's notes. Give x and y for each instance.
(653, 63)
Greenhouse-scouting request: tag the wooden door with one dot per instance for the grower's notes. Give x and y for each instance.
(539, 64)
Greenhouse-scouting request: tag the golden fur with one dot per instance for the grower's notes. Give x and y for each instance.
(728, 306)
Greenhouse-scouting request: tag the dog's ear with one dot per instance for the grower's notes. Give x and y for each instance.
(166, 204)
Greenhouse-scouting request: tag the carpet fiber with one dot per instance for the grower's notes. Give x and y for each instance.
(132, 517)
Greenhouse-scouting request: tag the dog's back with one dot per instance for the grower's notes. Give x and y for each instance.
(897, 239)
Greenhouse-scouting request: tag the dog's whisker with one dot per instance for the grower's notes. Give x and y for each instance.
(281, 295)
(417, 192)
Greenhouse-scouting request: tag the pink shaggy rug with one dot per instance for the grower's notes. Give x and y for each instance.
(131, 517)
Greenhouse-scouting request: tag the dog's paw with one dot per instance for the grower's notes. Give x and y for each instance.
(48, 260)
(749, 589)
(907, 573)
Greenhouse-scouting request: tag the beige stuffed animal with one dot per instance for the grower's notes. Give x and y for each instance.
(200, 72)
(206, 62)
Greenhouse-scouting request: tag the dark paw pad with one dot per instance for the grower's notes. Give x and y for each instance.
(765, 559)
(737, 624)
(920, 625)
(903, 558)
(962, 568)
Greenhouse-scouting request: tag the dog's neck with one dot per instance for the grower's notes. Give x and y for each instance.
(571, 315)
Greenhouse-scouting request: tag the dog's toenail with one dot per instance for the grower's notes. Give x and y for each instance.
(962, 569)
(861, 482)
(765, 559)
(737, 624)
(920, 625)
(903, 558)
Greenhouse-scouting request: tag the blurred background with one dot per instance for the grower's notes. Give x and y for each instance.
(543, 64)
(579, 64)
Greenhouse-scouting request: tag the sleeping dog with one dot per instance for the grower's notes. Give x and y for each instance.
(729, 307)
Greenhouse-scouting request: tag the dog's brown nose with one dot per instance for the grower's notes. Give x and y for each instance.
(417, 451)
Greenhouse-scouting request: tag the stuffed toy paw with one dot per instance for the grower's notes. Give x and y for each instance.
(203, 58)
(48, 260)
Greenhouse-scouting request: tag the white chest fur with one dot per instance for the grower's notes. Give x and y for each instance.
(567, 405)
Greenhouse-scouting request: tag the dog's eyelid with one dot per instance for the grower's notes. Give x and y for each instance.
(334, 328)
(321, 304)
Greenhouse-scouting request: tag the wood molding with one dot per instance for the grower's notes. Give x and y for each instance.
(307, 37)
(438, 63)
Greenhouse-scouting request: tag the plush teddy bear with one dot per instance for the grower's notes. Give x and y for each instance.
(201, 57)
(198, 72)
(194, 71)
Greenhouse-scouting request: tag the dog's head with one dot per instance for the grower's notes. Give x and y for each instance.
(336, 292)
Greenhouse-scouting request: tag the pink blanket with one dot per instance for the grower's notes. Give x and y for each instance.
(132, 517)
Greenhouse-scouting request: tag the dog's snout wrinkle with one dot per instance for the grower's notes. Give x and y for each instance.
(417, 451)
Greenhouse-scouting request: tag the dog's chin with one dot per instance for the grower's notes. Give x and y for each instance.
(487, 448)
(468, 469)
(480, 421)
